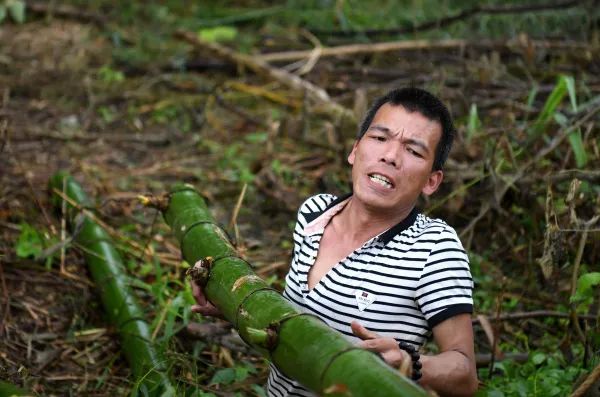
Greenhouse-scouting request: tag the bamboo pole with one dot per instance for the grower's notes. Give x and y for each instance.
(108, 272)
(302, 346)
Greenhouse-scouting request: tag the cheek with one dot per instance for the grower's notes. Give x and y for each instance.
(416, 173)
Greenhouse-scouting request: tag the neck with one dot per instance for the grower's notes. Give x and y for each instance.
(360, 223)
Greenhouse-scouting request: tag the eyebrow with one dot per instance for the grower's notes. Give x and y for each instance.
(410, 141)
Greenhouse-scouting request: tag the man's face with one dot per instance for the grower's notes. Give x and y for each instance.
(392, 163)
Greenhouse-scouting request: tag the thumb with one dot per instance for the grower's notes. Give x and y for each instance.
(359, 330)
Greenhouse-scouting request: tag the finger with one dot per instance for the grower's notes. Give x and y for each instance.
(359, 330)
(198, 294)
(206, 310)
(371, 344)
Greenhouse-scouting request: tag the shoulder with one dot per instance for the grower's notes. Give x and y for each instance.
(313, 206)
(446, 251)
(435, 230)
(425, 233)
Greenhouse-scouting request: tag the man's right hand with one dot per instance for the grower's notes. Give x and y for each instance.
(203, 306)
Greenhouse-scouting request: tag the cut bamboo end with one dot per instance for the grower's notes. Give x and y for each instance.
(200, 272)
(161, 203)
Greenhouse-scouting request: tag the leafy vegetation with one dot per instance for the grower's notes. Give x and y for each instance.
(544, 374)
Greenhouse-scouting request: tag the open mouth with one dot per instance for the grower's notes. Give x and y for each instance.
(381, 180)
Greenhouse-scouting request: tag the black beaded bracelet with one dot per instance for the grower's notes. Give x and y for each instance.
(414, 356)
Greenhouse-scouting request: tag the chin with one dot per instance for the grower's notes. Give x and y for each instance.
(373, 200)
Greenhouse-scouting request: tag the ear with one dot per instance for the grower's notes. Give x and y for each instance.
(352, 154)
(433, 182)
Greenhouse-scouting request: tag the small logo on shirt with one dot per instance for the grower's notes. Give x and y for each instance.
(364, 299)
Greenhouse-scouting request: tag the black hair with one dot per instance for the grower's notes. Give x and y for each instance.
(417, 100)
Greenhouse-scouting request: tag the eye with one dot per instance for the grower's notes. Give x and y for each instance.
(379, 138)
(414, 152)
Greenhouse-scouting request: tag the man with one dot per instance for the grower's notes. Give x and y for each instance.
(374, 268)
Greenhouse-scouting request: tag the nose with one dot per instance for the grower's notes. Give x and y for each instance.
(391, 155)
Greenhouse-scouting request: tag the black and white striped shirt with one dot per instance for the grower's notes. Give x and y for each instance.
(399, 284)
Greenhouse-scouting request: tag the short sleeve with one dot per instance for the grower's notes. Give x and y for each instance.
(445, 288)
(309, 209)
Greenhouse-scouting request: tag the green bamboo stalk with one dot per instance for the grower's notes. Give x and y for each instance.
(301, 346)
(108, 272)
(9, 390)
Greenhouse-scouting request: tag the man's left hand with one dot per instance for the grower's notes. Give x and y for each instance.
(386, 347)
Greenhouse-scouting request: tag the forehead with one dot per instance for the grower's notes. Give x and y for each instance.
(399, 120)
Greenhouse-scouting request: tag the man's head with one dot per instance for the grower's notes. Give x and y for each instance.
(403, 143)
(425, 103)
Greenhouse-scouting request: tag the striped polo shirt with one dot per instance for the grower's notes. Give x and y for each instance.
(400, 283)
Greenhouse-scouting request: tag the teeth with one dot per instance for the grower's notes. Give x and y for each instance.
(382, 180)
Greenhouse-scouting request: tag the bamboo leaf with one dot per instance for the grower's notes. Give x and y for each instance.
(259, 391)
(16, 9)
(223, 376)
(549, 109)
(30, 242)
(585, 285)
(576, 142)
(218, 34)
(532, 95)
(570, 84)
(473, 123)
(176, 305)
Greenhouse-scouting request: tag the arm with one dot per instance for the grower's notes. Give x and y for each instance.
(451, 372)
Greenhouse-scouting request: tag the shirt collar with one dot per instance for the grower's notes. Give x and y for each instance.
(393, 231)
(384, 237)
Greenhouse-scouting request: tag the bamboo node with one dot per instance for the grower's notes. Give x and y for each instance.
(244, 280)
(336, 388)
(266, 337)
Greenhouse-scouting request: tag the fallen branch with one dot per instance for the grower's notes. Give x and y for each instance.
(261, 68)
(302, 346)
(411, 45)
(66, 12)
(149, 139)
(484, 359)
(592, 378)
(534, 314)
(592, 176)
(108, 271)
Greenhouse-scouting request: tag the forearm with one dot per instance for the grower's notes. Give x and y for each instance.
(450, 373)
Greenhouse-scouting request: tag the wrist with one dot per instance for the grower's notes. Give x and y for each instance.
(414, 357)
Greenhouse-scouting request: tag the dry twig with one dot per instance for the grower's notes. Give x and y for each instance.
(66, 12)
(261, 68)
(414, 45)
(589, 381)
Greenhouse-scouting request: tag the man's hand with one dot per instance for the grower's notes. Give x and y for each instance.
(387, 347)
(203, 306)
(451, 372)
